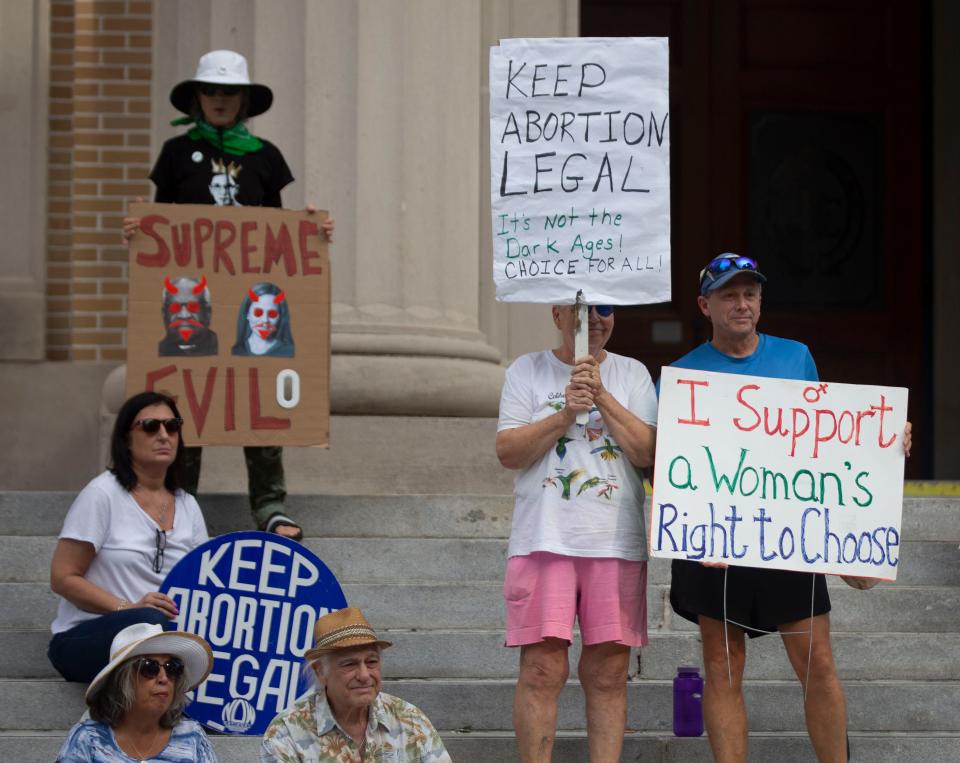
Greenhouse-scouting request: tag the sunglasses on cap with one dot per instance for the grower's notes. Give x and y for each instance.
(147, 667)
(210, 89)
(152, 426)
(723, 264)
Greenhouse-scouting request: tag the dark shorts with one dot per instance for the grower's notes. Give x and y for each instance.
(759, 599)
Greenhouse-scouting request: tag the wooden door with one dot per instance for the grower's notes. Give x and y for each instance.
(797, 138)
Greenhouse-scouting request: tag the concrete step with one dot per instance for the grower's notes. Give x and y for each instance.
(367, 454)
(372, 454)
(391, 516)
(872, 706)
(41, 747)
(480, 654)
(473, 606)
(26, 558)
(660, 748)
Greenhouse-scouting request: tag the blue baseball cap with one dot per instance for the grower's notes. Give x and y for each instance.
(724, 267)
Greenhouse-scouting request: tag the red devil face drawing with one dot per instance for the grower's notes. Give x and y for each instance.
(186, 315)
(264, 313)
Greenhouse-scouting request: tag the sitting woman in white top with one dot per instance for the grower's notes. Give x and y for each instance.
(122, 535)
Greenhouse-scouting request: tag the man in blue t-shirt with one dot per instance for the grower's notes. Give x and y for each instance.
(752, 601)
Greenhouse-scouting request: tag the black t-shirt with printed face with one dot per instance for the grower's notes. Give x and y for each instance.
(195, 172)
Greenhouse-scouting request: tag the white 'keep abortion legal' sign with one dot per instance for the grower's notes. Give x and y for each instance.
(793, 475)
(580, 170)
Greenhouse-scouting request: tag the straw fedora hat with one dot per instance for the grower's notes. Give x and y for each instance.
(222, 67)
(343, 629)
(146, 638)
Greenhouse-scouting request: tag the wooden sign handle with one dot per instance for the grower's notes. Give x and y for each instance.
(581, 345)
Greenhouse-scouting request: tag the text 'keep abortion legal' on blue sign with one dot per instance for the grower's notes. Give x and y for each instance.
(255, 597)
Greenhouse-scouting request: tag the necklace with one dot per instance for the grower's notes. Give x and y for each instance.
(140, 755)
(158, 514)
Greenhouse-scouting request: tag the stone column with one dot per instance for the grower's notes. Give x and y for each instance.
(24, 61)
(391, 95)
(378, 111)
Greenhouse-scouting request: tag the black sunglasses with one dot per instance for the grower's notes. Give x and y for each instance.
(148, 667)
(152, 426)
(158, 555)
(211, 90)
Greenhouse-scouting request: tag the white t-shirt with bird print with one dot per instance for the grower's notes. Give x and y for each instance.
(582, 497)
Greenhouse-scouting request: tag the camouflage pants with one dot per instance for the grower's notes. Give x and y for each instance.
(265, 482)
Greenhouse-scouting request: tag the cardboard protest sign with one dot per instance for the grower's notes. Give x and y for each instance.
(580, 170)
(229, 311)
(778, 473)
(255, 597)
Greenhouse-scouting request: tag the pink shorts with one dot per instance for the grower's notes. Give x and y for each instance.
(544, 592)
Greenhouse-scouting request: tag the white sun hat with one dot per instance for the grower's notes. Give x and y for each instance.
(147, 638)
(222, 67)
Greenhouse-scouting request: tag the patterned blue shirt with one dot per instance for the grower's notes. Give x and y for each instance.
(94, 742)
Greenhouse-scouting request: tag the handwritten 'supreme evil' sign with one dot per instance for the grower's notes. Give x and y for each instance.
(775, 473)
(580, 170)
(229, 312)
(255, 597)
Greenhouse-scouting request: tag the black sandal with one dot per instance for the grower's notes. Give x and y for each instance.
(282, 520)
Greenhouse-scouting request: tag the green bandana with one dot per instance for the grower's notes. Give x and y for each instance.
(236, 140)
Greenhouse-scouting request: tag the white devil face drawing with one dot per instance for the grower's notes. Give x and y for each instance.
(264, 314)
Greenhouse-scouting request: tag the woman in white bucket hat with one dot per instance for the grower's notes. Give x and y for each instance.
(219, 161)
(136, 702)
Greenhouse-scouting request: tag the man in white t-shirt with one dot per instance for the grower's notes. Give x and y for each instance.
(578, 545)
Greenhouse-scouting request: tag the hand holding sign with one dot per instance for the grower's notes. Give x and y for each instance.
(584, 385)
(862, 584)
(155, 600)
(131, 224)
(327, 224)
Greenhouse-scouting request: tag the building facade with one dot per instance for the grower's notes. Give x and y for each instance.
(380, 110)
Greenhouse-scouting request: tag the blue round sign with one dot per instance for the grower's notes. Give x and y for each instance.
(254, 597)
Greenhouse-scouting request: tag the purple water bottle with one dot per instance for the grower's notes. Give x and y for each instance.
(688, 702)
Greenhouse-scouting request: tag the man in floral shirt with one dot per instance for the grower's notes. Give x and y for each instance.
(348, 719)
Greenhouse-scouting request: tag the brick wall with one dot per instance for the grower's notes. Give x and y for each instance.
(100, 70)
